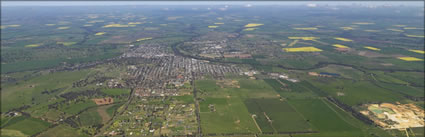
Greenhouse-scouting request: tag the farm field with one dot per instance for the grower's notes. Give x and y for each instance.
(64, 130)
(25, 126)
(215, 69)
(273, 115)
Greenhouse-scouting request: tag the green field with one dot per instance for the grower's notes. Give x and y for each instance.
(90, 117)
(230, 116)
(330, 120)
(28, 92)
(78, 107)
(111, 110)
(26, 125)
(356, 92)
(115, 91)
(64, 131)
(283, 117)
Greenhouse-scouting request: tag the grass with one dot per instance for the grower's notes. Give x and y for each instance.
(28, 126)
(115, 91)
(12, 133)
(284, 117)
(325, 120)
(231, 116)
(416, 78)
(64, 131)
(384, 77)
(356, 92)
(111, 110)
(404, 89)
(275, 84)
(90, 117)
(17, 95)
(187, 99)
(78, 107)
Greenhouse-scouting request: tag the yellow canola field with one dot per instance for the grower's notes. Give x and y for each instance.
(118, 26)
(347, 28)
(219, 23)
(399, 25)
(343, 39)
(141, 39)
(412, 28)
(249, 29)
(212, 26)
(372, 48)
(134, 23)
(410, 59)
(32, 45)
(369, 30)
(63, 28)
(310, 28)
(339, 46)
(304, 38)
(416, 36)
(99, 33)
(302, 49)
(417, 51)
(66, 43)
(252, 25)
(13, 25)
(396, 30)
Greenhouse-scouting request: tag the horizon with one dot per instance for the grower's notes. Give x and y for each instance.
(132, 3)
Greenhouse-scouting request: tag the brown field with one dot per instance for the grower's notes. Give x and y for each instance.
(102, 112)
(103, 101)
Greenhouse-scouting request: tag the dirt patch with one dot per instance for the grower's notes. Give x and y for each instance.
(395, 116)
(103, 101)
(371, 54)
(249, 35)
(102, 112)
(387, 64)
(227, 83)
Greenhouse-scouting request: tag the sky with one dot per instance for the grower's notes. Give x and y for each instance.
(109, 3)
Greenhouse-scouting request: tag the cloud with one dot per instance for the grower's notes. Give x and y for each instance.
(311, 5)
